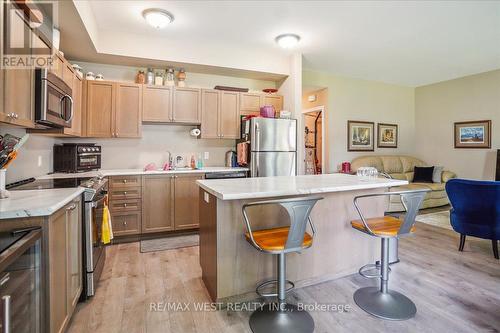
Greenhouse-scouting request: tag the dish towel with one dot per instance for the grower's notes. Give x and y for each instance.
(242, 153)
(107, 229)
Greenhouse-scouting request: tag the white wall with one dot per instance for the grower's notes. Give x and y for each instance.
(439, 105)
(33, 159)
(355, 99)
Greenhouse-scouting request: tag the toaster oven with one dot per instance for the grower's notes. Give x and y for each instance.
(77, 157)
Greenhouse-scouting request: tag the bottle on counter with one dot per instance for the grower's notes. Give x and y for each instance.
(199, 162)
(170, 79)
(193, 162)
(150, 76)
(141, 77)
(159, 78)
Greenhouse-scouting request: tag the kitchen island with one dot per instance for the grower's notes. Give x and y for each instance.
(232, 268)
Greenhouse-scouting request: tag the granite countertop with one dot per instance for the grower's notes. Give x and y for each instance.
(129, 172)
(31, 203)
(265, 187)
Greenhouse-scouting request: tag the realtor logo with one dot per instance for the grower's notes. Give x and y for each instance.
(27, 34)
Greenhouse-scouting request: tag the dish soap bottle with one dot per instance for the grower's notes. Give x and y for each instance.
(193, 163)
(199, 162)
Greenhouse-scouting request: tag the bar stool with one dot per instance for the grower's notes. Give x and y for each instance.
(382, 302)
(282, 317)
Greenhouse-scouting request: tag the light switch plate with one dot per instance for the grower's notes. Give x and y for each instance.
(206, 197)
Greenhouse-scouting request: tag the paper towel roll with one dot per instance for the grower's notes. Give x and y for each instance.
(195, 132)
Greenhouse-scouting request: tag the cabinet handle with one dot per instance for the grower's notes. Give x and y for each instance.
(125, 223)
(124, 192)
(6, 313)
(124, 181)
(124, 205)
(222, 135)
(73, 206)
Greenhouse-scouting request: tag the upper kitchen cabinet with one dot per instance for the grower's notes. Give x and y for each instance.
(76, 122)
(250, 103)
(128, 110)
(100, 103)
(113, 109)
(274, 100)
(157, 104)
(220, 114)
(187, 105)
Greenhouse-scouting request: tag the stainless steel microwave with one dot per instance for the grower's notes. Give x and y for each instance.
(53, 101)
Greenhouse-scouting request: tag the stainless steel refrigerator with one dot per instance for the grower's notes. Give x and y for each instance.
(273, 146)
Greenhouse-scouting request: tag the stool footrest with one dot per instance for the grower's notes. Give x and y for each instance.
(363, 271)
(275, 281)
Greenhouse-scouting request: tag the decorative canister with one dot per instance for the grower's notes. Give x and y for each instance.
(170, 80)
(99, 77)
(150, 76)
(90, 76)
(267, 111)
(140, 77)
(158, 78)
(181, 77)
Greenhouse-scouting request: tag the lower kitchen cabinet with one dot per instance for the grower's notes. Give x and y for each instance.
(186, 212)
(65, 264)
(125, 224)
(157, 203)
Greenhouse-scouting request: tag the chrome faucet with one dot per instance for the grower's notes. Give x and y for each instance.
(169, 157)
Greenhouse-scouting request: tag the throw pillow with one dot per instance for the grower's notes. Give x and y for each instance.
(423, 174)
(436, 175)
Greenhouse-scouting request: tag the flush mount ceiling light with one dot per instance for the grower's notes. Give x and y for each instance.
(287, 41)
(157, 18)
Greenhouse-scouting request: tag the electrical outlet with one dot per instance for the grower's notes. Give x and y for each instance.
(39, 161)
(206, 155)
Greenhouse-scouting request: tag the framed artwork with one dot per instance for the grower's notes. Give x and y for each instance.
(387, 135)
(360, 136)
(473, 134)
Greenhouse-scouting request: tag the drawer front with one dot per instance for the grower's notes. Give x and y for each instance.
(125, 205)
(126, 224)
(118, 182)
(125, 193)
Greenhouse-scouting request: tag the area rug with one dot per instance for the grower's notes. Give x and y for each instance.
(169, 243)
(438, 219)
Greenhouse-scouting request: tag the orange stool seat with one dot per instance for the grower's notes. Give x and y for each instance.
(275, 239)
(386, 226)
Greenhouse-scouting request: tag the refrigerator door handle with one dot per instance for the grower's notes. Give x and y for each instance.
(257, 148)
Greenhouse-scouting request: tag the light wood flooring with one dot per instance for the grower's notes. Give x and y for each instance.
(453, 291)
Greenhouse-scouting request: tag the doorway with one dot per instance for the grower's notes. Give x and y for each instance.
(314, 146)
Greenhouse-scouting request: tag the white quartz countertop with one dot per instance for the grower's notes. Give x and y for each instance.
(130, 172)
(30, 203)
(265, 187)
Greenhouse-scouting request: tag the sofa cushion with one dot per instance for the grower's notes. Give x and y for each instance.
(401, 176)
(433, 186)
(392, 164)
(423, 174)
(368, 161)
(409, 163)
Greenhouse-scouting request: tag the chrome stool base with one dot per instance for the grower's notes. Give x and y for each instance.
(269, 319)
(391, 305)
(264, 284)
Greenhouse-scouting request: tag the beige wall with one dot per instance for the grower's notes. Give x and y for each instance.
(355, 99)
(439, 105)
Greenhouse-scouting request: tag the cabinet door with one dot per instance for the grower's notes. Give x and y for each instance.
(250, 102)
(57, 66)
(18, 97)
(187, 105)
(67, 73)
(76, 123)
(274, 100)
(128, 110)
(229, 115)
(210, 114)
(126, 223)
(157, 104)
(100, 105)
(74, 251)
(186, 199)
(58, 282)
(157, 201)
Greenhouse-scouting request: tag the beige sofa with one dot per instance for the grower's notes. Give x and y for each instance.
(401, 167)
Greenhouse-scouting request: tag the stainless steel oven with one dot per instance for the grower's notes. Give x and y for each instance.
(53, 101)
(94, 250)
(20, 281)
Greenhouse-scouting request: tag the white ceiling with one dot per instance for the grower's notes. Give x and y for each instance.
(410, 43)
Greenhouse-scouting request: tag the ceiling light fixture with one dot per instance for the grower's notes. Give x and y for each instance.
(157, 18)
(287, 41)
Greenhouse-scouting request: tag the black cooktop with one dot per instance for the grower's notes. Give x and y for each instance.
(41, 184)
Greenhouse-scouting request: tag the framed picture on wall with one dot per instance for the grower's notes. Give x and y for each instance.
(360, 136)
(387, 135)
(473, 134)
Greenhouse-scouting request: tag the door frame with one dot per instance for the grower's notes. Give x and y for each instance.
(320, 108)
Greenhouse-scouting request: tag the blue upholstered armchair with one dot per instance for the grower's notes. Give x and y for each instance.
(475, 210)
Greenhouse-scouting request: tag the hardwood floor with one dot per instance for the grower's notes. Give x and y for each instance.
(453, 291)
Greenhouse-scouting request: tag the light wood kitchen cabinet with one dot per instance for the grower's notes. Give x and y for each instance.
(210, 114)
(157, 104)
(100, 103)
(65, 265)
(274, 100)
(125, 203)
(220, 114)
(128, 110)
(157, 203)
(113, 109)
(186, 214)
(126, 224)
(58, 66)
(76, 122)
(250, 103)
(67, 73)
(187, 105)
